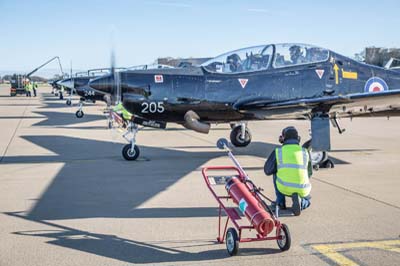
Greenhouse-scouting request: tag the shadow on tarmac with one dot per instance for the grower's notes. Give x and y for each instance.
(65, 119)
(97, 182)
(88, 187)
(128, 250)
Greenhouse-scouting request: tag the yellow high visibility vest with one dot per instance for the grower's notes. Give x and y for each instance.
(125, 113)
(292, 175)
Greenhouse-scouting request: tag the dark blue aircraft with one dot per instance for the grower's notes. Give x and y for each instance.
(275, 81)
(79, 85)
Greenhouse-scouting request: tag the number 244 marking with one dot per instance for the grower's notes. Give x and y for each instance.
(152, 107)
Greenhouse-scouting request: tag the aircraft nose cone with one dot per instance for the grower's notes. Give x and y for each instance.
(69, 83)
(103, 84)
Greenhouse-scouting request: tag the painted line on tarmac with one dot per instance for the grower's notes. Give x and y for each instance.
(357, 193)
(332, 252)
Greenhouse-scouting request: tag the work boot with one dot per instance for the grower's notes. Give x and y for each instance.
(296, 208)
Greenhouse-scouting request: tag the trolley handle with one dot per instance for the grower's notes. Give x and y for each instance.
(223, 144)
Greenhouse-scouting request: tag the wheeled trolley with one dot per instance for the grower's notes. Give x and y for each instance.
(247, 201)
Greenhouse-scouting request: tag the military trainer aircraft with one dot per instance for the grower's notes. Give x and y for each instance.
(274, 81)
(79, 85)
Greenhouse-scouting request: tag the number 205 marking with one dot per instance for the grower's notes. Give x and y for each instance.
(152, 107)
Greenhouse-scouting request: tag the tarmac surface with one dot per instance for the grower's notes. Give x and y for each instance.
(67, 197)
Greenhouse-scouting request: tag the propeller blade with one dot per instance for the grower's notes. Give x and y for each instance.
(116, 88)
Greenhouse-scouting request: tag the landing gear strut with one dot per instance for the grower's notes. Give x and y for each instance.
(80, 113)
(240, 135)
(131, 151)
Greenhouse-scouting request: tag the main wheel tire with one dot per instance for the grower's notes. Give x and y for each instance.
(329, 164)
(317, 157)
(79, 114)
(232, 241)
(130, 155)
(236, 137)
(68, 102)
(285, 242)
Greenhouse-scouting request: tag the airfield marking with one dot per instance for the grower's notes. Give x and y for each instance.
(332, 251)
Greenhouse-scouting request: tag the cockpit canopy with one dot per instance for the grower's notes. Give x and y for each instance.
(263, 57)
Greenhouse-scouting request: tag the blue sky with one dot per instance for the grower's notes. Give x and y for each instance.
(84, 31)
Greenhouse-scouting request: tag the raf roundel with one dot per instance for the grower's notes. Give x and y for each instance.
(375, 84)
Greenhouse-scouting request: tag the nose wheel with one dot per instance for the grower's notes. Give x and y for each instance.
(131, 151)
(68, 102)
(240, 135)
(80, 113)
(130, 154)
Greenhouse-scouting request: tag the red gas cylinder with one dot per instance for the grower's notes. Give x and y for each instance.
(249, 205)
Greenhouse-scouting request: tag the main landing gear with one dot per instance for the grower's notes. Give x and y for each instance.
(319, 159)
(131, 151)
(240, 135)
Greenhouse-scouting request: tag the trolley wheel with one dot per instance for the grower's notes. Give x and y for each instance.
(232, 241)
(79, 114)
(236, 137)
(284, 243)
(130, 155)
(68, 102)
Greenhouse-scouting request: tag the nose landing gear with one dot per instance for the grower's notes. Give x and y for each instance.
(131, 151)
(80, 113)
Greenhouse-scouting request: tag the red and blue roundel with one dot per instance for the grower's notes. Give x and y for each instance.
(375, 84)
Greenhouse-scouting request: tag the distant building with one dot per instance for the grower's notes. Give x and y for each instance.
(181, 62)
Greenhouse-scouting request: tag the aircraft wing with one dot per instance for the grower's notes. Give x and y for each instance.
(386, 103)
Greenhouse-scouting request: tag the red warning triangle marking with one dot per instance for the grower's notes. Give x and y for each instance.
(320, 73)
(243, 82)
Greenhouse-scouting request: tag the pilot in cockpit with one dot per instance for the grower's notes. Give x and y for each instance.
(234, 62)
(296, 55)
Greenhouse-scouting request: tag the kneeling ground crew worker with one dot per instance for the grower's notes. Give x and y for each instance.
(120, 109)
(291, 168)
